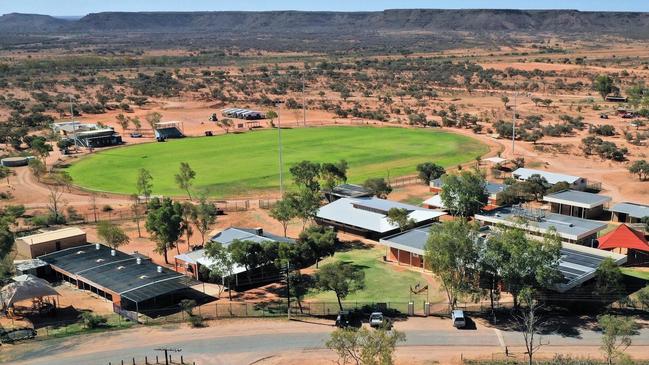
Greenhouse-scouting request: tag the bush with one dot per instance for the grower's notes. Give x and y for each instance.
(91, 321)
(196, 321)
(106, 208)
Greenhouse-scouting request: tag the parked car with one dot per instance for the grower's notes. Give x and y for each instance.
(628, 115)
(17, 334)
(603, 116)
(377, 320)
(136, 135)
(343, 320)
(459, 321)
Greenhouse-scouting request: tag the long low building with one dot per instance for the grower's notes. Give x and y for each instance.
(192, 263)
(629, 212)
(577, 265)
(368, 217)
(553, 178)
(32, 246)
(577, 203)
(538, 222)
(131, 282)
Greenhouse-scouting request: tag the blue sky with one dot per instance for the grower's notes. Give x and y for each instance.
(82, 7)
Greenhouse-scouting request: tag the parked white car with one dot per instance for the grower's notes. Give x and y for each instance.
(459, 321)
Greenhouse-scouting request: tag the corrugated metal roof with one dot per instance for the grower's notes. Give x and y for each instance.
(580, 198)
(370, 213)
(59, 234)
(633, 209)
(550, 177)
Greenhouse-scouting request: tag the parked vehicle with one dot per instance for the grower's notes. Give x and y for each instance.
(17, 334)
(343, 320)
(628, 116)
(136, 135)
(377, 320)
(459, 321)
(603, 116)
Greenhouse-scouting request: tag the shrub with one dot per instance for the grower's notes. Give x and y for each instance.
(91, 321)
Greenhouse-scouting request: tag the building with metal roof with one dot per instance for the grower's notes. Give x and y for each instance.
(367, 217)
(131, 282)
(42, 243)
(627, 241)
(347, 191)
(191, 263)
(577, 203)
(629, 212)
(575, 182)
(577, 264)
(537, 222)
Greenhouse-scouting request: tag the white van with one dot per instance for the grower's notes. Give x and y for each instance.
(457, 316)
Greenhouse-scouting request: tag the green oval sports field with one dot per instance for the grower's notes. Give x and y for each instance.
(240, 164)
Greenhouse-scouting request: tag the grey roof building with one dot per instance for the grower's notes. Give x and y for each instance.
(577, 203)
(576, 182)
(538, 222)
(629, 212)
(368, 216)
(347, 191)
(577, 265)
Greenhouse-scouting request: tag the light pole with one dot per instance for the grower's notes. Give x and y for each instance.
(279, 143)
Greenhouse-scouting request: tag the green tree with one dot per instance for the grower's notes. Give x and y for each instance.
(222, 265)
(320, 240)
(306, 174)
(340, 277)
(38, 168)
(378, 187)
(123, 121)
(643, 297)
(505, 100)
(284, 212)
(111, 234)
(429, 171)
(271, 114)
(136, 210)
(333, 174)
(144, 183)
(609, 281)
(205, 217)
(464, 194)
(530, 323)
(603, 84)
(185, 178)
(401, 218)
(616, 335)
(137, 123)
(364, 346)
(226, 124)
(153, 118)
(164, 223)
(63, 178)
(5, 172)
(305, 204)
(450, 253)
(41, 148)
(640, 168)
(246, 253)
(188, 214)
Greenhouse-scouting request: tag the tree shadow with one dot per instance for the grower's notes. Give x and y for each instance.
(346, 246)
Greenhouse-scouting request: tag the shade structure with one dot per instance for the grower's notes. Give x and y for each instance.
(26, 287)
(623, 237)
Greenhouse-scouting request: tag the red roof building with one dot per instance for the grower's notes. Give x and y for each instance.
(627, 241)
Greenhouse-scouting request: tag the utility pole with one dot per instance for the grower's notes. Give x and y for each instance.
(514, 124)
(74, 126)
(279, 142)
(304, 97)
(288, 291)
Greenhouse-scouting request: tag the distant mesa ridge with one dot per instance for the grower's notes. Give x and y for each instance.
(470, 20)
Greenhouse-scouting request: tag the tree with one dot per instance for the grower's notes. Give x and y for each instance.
(364, 346)
(535, 185)
(429, 171)
(523, 262)
(505, 100)
(305, 174)
(112, 235)
(603, 84)
(164, 222)
(188, 214)
(144, 183)
(184, 178)
(643, 297)
(640, 168)
(340, 277)
(56, 203)
(63, 178)
(137, 123)
(560, 186)
(5, 172)
(305, 204)
(271, 114)
(123, 121)
(153, 119)
(616, 335)
(226, 124)
(320, 240)
(333, 174)
(401, 218)
(530, 322)
(378, 187)
(464, 194)
(222, 264)
(135, 209)
(38, 168)
(247, 254)
(205, 217)
(450, 253)
(609, 281)
(283, 212)
(41, 148)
